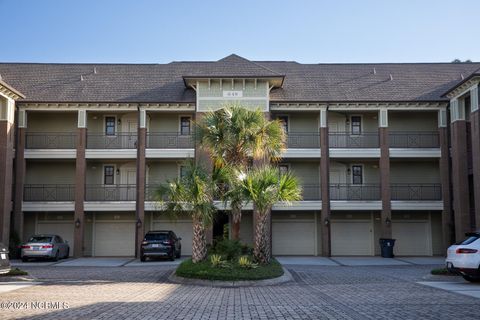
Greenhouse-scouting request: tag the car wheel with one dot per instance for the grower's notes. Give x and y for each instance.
(471, 278)
(24, 259)
(179, 254)
(56, 256)
(143, 258)
(67, 254)
(172, 256)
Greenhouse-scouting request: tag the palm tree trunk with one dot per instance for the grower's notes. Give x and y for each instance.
(236, 218)
(199, 242)
(261, 250)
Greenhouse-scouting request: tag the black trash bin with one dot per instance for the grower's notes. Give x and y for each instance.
(386, 246)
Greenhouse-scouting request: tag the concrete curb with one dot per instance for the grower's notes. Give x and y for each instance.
(286, 277)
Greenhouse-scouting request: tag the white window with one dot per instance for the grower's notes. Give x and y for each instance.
(185, 125)
(109, 175)
(357, 174)
(284, 121)
(110, 126)
(356, 125)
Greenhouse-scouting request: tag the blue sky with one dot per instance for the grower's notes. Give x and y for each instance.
(308, 31)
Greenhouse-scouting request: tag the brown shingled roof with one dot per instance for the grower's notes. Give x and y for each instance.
(303, 82)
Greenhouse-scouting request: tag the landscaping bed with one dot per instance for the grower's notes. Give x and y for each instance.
(15, 272)
(230, 272)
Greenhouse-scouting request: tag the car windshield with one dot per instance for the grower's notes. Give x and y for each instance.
(156, 236)
(469, 240)
(40, 239)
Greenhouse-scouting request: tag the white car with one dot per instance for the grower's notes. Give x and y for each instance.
(464, 257)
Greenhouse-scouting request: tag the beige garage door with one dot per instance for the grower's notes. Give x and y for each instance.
(182, 228)
(352, 238)
(116, 239)
(412, 238)
(63, 229)
(293, 237)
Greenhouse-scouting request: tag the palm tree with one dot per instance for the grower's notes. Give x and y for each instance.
(192, 193)
(233, 135)
(265, 186)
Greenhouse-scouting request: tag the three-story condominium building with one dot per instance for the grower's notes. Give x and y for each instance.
(382, 150)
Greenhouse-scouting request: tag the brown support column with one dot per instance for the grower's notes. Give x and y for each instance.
(140, 200)
(325, 184)
(6, 172)
(461, 206)
(386, 214)
(447, 219)
(80, 170)
(475, 134)
(19, 182)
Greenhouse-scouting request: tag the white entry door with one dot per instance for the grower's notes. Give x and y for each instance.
(412, 238)
(116, 239)
(130, 127)
(352, 238)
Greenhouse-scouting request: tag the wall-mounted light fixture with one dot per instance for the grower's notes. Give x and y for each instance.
(139, 223)
(388, 222)
(326, 221)
(118, 172)
(119, 121)
(349, 171)
(77, 223)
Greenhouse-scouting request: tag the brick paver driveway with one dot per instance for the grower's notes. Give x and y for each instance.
(317, 292)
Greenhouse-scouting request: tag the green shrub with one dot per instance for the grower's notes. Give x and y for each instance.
(246, 263)
(441, 272)
(217, 262)
(228, 249)
(15, 272)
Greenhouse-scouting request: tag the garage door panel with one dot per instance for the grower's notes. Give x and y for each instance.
(114, 239)
(293, 238)
(412, 238)
(352, 238)
(64, 230)
(182, 229)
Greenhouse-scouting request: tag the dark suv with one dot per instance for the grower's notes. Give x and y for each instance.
(161, 244)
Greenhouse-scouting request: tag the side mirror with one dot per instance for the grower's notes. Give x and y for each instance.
(179, 238)
(66, 241)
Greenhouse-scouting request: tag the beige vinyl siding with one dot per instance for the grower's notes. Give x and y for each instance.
(412, 121)
(307, 172)
(371, 171)
(50, 172)
(28, 225)
(300, 122)
(95, 170)
(51, 121)
(437, 234)
(96, 120)
(161, 171)
(414, 172)
(338, 121)
(166, 122)
(88, 234)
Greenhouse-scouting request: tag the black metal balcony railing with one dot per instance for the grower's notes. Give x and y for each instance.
(119, 192)
(49, 192)
(402, 139)
(169, 140)
(119, 141)
(50, 140)
(348, 140)
(416, 191)
(354, 192)
(303, 140)
(311, 192)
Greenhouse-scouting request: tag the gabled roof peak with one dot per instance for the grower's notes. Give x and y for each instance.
(233, 57)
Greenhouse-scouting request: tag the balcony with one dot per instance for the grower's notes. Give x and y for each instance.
(303, 140)
(346, 140)
(416, 192)
(425, 139)
(119, 192)
(169, 140)
(49, 192)
(50, 140)
(311, 192)
(118, 141)
(365, 192)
